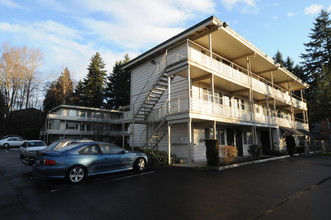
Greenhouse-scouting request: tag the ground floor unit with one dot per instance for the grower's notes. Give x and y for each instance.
(186, 138)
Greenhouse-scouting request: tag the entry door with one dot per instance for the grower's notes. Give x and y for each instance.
(265, 142)
(199, 150)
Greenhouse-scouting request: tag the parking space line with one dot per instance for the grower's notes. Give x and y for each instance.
(116, 179)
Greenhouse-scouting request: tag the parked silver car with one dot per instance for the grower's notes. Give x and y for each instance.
(11, 142)
(29, 149)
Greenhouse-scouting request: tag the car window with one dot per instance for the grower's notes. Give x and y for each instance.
(33, 144)
(89, 150)
(110, 149)
(11, 139)
(69, 147)
(24, 144)
(41, 143)
(52, 145)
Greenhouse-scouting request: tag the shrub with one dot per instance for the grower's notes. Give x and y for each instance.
(212, 152)
(255, 151)
(157, 158)
(229, 154)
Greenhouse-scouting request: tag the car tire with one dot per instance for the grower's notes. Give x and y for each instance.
(139, 164)
(5, 145)
(76, 174)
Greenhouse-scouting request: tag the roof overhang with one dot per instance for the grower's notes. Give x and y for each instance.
(291, 131)
(231, 46)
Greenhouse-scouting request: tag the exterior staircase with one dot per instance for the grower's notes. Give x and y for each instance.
(156, 85)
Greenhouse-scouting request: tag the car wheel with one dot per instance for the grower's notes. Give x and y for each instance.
(139, 164)
(5, 145)
(76, 174)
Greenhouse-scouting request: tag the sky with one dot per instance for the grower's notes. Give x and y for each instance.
(70, 32)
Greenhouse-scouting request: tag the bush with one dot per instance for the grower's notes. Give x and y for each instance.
(212, 152)
(255, 151)
(229, 154)
(157, 158)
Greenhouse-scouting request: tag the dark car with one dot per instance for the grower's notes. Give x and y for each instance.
(76, 162)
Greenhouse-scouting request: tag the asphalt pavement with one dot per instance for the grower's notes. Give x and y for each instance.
(290, 188)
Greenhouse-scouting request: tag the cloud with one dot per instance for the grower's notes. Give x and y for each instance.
(274, 17)
(329, 9)
(313, 9)
(243, 6)
(112, 28)
(12, 4)
(291, 14)
(56, 41)
(140, 24)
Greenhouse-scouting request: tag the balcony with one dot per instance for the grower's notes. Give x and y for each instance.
(84, 119)
(224, 112)
(83, 133)
(232, 72)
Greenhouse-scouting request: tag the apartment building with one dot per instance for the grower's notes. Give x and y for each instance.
(77, 122)
(209, 82)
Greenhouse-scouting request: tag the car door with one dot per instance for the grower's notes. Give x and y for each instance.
(91, 158)
(115, 158)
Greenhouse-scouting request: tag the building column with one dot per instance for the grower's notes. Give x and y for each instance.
(169, 144)
(189, 87)
(214, 131)
(210, 46)
(189, 140)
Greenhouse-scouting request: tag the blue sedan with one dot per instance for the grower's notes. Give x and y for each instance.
(76, 162)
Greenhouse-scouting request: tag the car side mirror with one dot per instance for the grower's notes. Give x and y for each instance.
(125, 151)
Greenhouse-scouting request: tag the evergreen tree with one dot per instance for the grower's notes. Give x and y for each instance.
(79, 95)
(59, 91)
(118, 86)
(49, 100)
(279, 58)
(317, 68)
(90, 91)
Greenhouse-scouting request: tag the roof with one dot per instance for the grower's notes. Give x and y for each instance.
(236, 50)
(84, 108)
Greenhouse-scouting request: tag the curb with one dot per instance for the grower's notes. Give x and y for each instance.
(250, 162)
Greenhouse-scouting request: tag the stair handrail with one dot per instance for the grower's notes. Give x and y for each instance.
(153, 120)
(160, 68)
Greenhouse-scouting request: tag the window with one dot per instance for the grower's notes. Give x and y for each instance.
(108, 148)
(71, 126)
(248, 137)
(88, 127)
(89, 114)
(82, 127)
(73, 113)
(35, 144)
(82, 114)
(90, 150)
(220, 134)
(242, 103)
(209, 133)
(218, 98)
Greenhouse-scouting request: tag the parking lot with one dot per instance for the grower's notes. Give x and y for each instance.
(289, 188)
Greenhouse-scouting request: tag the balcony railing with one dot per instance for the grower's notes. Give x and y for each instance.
(232, 72)
(84, 119)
